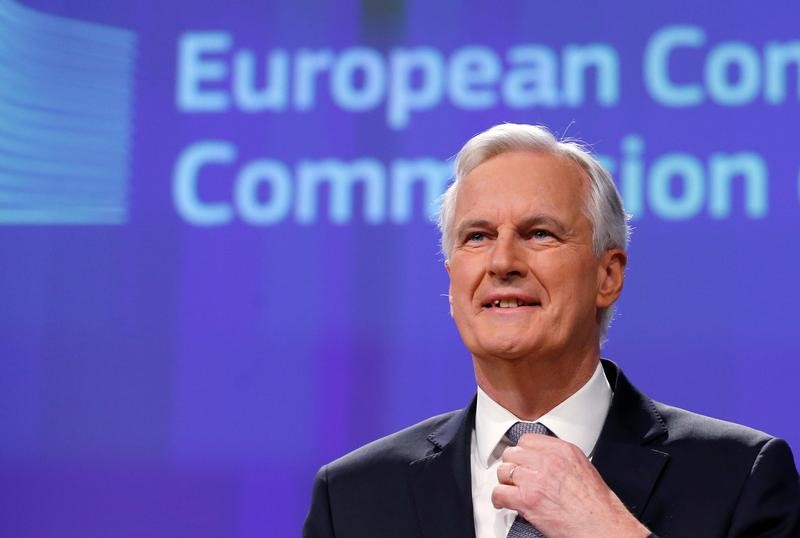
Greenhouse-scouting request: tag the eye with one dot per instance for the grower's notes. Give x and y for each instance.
(541, 234)
(475, 236)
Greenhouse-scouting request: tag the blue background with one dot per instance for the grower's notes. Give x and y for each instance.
(159, 378)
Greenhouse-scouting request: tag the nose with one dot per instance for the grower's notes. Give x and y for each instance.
(505, 258)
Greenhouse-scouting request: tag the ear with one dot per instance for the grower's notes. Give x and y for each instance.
(610, 276)
(449, 288)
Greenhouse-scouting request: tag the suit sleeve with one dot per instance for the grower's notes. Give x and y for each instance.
(319, 523)
(769, 503)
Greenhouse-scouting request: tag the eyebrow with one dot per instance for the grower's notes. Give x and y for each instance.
(530, 221)
(471, 224)
(543, 219)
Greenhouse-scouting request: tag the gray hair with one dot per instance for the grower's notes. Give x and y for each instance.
(604, 207)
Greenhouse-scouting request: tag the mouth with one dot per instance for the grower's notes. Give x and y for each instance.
(510, 302)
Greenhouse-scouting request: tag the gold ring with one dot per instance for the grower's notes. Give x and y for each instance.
(511, 475)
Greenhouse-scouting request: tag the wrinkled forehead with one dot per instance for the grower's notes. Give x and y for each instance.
(519, 180)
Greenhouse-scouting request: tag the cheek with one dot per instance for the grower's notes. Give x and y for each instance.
(570, 283)
(463, 284)
(459, 300)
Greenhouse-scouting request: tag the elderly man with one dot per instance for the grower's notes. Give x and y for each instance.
(556, 443)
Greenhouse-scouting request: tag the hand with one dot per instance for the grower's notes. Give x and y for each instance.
(554, 486)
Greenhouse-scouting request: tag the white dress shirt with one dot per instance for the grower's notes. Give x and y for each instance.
(578, 420)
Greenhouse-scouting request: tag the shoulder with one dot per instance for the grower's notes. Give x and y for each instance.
(722, 444)
(672, 428)
(398, 449)
(706, 476)
(370, 488)
(687, 427)
(697, 447)
(750, 474)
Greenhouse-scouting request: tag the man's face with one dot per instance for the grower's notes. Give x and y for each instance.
(524, 280)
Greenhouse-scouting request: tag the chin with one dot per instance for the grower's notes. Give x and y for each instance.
(507, 350)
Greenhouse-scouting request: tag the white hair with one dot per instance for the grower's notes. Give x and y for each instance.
(604, 207)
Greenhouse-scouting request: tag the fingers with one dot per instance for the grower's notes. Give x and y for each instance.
(505, 473)
(504, 496)
(508, 493)
(553, 485)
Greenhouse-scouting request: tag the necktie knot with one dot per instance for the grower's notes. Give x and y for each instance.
(521, 428)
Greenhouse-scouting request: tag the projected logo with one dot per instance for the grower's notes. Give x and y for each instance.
(65, 119)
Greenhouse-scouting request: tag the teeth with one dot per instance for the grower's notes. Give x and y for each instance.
(508, 303)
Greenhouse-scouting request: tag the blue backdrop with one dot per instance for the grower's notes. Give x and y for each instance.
(218, 271)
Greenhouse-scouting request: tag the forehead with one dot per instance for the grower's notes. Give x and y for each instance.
(523, 182)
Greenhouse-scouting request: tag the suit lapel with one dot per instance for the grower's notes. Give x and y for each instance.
(622, 457)
(441, 482)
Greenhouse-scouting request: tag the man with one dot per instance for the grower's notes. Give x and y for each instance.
(535, 237)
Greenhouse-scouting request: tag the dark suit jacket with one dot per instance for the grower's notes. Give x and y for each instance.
(683, 475)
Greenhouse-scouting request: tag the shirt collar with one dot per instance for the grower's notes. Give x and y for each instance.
(578, 419)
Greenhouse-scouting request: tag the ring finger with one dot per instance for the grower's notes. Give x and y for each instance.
(505, 473)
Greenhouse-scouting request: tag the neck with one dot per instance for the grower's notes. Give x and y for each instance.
(530, 387)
